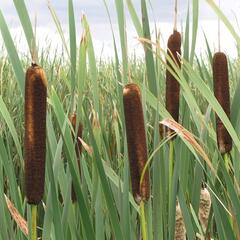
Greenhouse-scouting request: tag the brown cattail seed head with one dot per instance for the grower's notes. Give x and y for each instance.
(172, 85)
(78, 147)
(180, 231)
(221, 91)
(204, 207)
(136, 139)
(35, 133)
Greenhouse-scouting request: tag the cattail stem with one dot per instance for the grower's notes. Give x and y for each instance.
(143, 221)
(171, 161)
(227, 161)
(170, 173)
(175, 15)
(34, 222)
(219, 30)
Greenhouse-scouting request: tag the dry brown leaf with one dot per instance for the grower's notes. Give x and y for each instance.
(189, 137)
(86, 146)
(20, 221)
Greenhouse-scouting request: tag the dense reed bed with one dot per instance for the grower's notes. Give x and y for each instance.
(94, 188)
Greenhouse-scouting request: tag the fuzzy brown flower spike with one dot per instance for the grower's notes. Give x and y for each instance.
(35, 133)
(221, 91)
(172, 85)
(78, 146)
(136, 139)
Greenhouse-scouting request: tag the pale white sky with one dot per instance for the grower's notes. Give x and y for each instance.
(100, 28)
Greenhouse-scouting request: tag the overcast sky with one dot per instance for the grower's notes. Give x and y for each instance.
(100, 28)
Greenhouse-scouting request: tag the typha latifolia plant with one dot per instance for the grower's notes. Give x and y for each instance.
(88, 74)
(172, 85)
(222, 94)
(78, 146)
(35, 138)
(137, 147)
(172, 106)
(172, 93)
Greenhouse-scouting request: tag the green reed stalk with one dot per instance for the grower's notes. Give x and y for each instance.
(143, 221)
(34, 222)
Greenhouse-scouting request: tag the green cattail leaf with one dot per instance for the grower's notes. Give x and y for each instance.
(158, 202)
(150, 65)
(195, 13)
(224, 19)
(8, 165)
(73, 44)
(70, 152)
(6, 115)
(123, 38)
(135, 18)
(55, 203)
(105, 186)
(27, 26)
(59, 28)
(186, 215)
(3, 208)
(92, 67)
(12, 53)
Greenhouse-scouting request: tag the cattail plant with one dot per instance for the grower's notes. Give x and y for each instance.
(204, 207)
(35, 137)
(78, 146)
(221, 92)
(137, 148)
(172, 85)
(172, 106)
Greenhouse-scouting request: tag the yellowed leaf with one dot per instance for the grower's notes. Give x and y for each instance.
(20, 221)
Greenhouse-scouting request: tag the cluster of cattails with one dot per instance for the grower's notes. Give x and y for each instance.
(172, 85)
(221, 91)
(204, 207)
(180, 230)
(136, 139)
(35, 133)
(78, 146)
